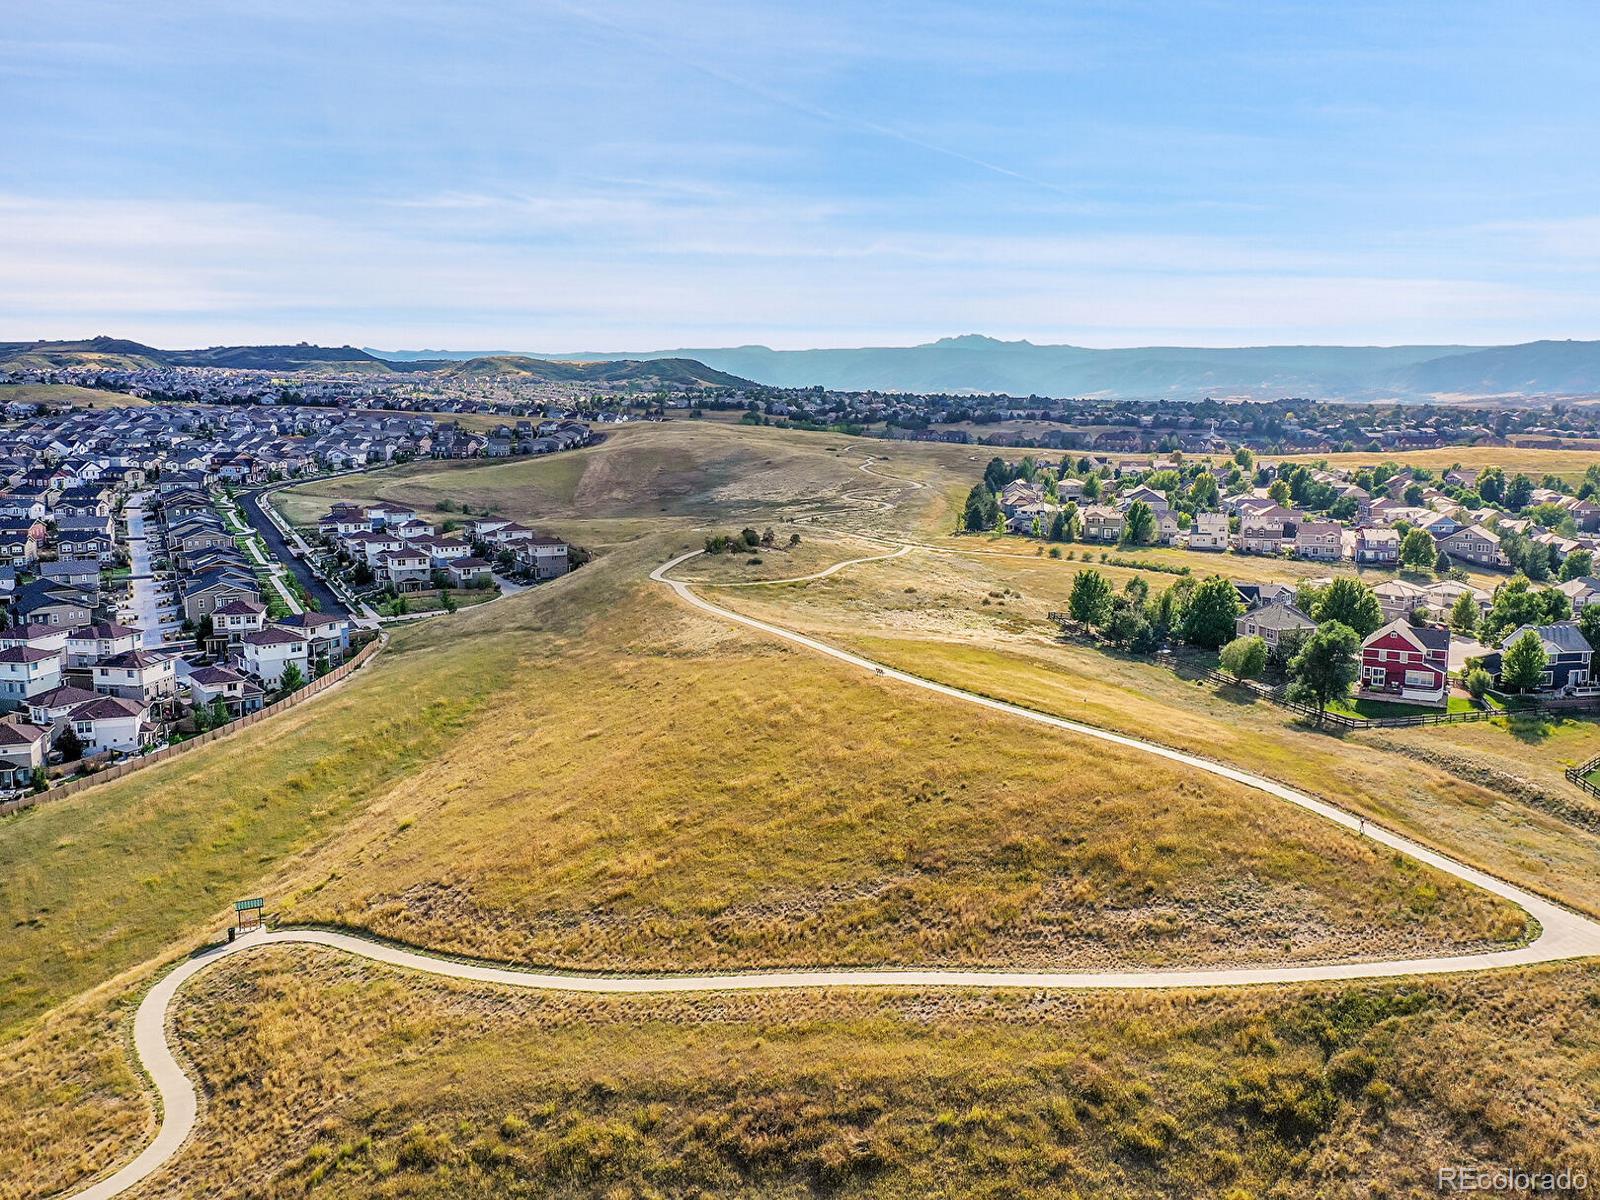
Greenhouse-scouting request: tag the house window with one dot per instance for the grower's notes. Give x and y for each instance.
(1421, 679)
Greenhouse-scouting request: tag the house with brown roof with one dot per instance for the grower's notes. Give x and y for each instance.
(112, 723)
(137, 675)
(23, 750)
(1322, 541)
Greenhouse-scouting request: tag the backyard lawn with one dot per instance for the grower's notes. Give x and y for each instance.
(1358, 706)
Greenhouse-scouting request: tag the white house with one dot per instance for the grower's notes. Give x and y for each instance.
(25, 672)
(1210, 531)
(112, 723)
(89, 644)
(23, 748)
(269, 652)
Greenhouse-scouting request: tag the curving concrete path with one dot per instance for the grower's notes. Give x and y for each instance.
(1562, 934)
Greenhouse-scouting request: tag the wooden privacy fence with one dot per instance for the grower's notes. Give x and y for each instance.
(320, 684)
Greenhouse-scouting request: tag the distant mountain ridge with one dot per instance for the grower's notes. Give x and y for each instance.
(968, 364)
(117, 354)
(974, 363)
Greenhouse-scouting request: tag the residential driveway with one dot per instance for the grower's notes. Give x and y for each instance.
(1463, 648)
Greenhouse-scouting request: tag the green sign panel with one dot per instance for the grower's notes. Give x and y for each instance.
(247, 905)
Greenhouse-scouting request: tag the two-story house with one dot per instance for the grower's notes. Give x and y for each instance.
(1407, 662)
(1568, 670)
(1377, 545)
(137, 675)
(1475, 544)
(1322, 541)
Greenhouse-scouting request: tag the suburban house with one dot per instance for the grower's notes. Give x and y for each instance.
(1475, 544)
(45, 603)
(1210, 531)
(1271, 621)
(51, 709)
(1319, 540)
(467, 572)
(231, 621)
(38, 636)
(137, 675)
(405, 570)
(270, 652)
(1407, 662)
(89, 644)
(206, 592)
(1377, 545)
(1582, 591)
(23, 750)
(1101, 524)
(74, 572)
(112, 723)
(25, 672)
(84, 544)
(1263, 530)
(1442, 596)
(1400, 598)
(1568, 671)
(545, 557)
(209, 684)
(329, 636)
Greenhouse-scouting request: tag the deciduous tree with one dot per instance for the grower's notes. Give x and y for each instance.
(1209, 617)
(1349, 602)
(1523, 662)
(1244, 658)
(1325, 668)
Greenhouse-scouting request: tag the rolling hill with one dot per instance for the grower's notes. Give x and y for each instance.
(666, 372)
(116, 354)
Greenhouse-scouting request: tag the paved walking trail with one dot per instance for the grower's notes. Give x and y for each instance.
(1562, 934)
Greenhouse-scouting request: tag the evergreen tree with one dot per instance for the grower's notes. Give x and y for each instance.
(980, 510)
(1139, 525)
(1464, 614)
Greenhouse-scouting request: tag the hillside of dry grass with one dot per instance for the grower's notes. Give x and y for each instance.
(341, 1079)
(593, 774)
(1491, 793)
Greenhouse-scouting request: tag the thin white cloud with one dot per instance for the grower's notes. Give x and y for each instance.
(185, 273)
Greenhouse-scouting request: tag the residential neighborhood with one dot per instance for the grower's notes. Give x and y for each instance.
(141, 607)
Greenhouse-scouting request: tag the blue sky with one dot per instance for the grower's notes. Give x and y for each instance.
(632, 175)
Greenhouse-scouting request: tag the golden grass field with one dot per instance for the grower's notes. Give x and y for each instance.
(66, 394)
(1537, 463)
(345, 1080)
(592, 774)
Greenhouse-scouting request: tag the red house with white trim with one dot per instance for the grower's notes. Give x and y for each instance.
(1407, 662)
